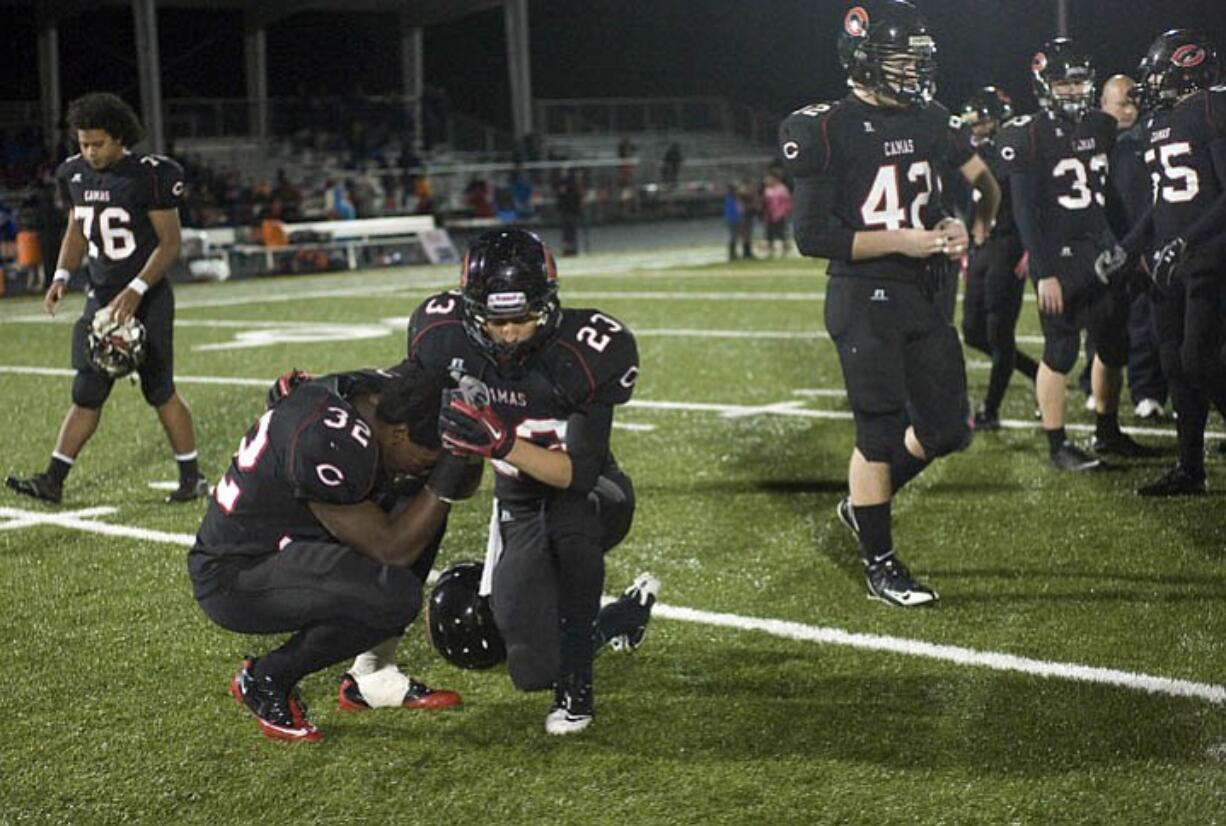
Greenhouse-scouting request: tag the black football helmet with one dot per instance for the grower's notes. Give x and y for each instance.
(877, 35)
(988, 103)
(509, 274)
(1061, 62)
(1179, 62)
(115, 349)
(461, 622)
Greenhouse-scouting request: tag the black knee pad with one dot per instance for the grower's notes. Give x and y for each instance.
(615, 503)
(952, 437)
(533, 668)
(1060, 351)
(90, 389)
(878, 435)
(157, 392)
(397, 601)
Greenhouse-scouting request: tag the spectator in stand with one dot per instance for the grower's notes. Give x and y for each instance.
(569, 195)
(423, 193)
(670, 168)
(626, 152)
(521, 193)
(732, 217)
(777, 209)
(504, 203)
(477, 197)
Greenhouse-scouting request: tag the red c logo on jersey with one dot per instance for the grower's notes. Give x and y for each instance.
(1038, 63)
(1188, 55)
(856, 22)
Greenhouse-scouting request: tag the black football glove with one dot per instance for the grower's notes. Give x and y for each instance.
(455, 477)
(285, 384)
(1164, 265)
(468, 424)
(1109, 263)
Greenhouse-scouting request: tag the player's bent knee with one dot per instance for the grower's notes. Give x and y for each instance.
(397, 600)
(878, 435)
(158, 393)
(531, 668)
(90, 389)
(1060, 354)
(953, 438)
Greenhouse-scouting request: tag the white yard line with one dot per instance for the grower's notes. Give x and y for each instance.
(786, 407)
(86, 521)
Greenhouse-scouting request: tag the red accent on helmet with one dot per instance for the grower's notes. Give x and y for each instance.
(855, 23)
(1188, 55)
(1038, 63)
(464, 271)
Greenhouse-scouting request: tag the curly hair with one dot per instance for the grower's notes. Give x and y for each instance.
(108, 112)
(413, 398)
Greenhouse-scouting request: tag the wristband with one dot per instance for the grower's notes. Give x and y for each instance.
(139, 286)
(62, 274)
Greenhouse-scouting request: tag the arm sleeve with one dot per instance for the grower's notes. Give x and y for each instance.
(587, 444)
(1212, 221)
(1024, 194)
(819, 233)
(1140, 236)
(170, 186)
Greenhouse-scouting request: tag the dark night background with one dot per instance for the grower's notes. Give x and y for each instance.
(773, 55)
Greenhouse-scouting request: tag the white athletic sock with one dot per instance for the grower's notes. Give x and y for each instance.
(381, 656)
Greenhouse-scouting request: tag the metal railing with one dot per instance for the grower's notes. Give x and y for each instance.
(579, 116)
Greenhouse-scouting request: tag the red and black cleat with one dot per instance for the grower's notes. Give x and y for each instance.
(418, 695)
(280, 715)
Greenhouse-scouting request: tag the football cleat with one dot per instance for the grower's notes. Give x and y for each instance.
(891, 582)
(1175, 482)
(38, 486)
(633, 609)
(847, 515)
(573, 707)
(281, 715)
(1070, 457)
(983, 420)
(188, 490)
(417, 695)
(1149, 409)
(1121, 444)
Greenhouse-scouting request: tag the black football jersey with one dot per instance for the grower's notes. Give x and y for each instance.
(112, 208)
(1071, 162)
(887, 165)
(989, 150)
(1184, 182)
(591, 359)
(313, 446)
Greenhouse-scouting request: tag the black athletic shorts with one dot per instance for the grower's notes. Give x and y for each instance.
(157, 313)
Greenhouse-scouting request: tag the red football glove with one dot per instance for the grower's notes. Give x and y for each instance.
(285, 384)
(466, 428)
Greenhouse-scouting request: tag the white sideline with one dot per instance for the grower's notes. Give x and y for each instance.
(85, 520)
(787, 407)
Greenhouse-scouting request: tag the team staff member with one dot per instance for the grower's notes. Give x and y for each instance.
(125, 216)
(866, 197)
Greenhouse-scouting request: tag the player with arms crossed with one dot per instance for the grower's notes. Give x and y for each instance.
(305, 534)
(538, 388)
(1057, 163)
(1185, 234)
(125, 215)
(867, 173)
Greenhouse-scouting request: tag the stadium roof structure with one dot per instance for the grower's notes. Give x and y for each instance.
(414, 15)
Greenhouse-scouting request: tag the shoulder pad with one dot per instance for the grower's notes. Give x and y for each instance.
(332, 455)
(802, 141)
(594, 358)
(435, 320)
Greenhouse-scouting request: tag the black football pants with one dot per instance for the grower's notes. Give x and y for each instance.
(990, 310)
(337, 602)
